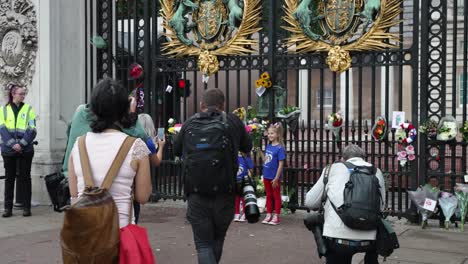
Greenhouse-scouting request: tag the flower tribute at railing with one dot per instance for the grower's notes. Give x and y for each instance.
(406, 134)
(429, 127)
(447, 129)
(379, 131)
(254, 126)
(464, 131)
(173, 127)
(406, 154)
(263, 83)
(335, 122)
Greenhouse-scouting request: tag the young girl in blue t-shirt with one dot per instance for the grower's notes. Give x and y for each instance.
(275, 155)
(245, 168)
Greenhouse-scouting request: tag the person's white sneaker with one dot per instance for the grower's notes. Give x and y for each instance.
(274, 220)
(236, 217)
(242, 218)
(267, 219)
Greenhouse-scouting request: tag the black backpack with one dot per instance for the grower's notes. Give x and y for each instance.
(208, 155)
(361, 199)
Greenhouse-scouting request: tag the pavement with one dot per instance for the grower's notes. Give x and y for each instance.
(36, 239)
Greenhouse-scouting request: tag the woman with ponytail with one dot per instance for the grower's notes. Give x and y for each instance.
(17, 131)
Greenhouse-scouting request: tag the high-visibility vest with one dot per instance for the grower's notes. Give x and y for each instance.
(26, 119)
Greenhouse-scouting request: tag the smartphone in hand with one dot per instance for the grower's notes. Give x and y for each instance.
(160, 133)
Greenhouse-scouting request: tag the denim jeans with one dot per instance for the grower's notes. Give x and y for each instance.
(342, 254)
(210, 218)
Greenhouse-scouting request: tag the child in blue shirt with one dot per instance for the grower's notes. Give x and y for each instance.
(245, 168)
(275, 155)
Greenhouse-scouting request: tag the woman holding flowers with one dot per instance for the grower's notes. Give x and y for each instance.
(274, 157)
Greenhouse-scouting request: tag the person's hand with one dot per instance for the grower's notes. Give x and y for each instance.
(274, 183)
(133, 104)
(17, 147)
(161, 141)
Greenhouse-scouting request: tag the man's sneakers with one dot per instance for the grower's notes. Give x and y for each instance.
(239, 218)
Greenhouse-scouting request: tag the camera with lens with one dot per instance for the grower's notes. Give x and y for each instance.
(314, 223)
(251, 211)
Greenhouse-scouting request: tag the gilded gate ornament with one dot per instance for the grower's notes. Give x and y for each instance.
(341, 26)
(210, 28)
(18, 41)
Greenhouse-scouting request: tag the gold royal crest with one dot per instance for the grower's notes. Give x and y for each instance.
(341, 26)
(210, 28)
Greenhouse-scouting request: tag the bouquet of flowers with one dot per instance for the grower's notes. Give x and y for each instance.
(447, 129)
(256, 129)
(429, 127)
(335, 122)
(288, 111)
(241, 113)
(419, 196)
(448, 202)
(173, 127)
(379, 131)
(263, 83)
(406, 154)
(464, 131)
(461, 191)
(401, 132)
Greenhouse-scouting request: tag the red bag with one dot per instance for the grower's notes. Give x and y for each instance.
(134, 246)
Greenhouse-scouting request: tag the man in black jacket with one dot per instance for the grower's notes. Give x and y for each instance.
(211, 215)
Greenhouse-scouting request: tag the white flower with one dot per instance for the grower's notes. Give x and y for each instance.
(170, 121)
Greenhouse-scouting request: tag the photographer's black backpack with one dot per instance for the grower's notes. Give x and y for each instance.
(361, 199)
(207, 155)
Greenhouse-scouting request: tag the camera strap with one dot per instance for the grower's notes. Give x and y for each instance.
(324, 193)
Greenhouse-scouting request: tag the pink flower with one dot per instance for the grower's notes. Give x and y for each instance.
(248, 128)
(178, 125)
(411, 157)
(410, 148)
(402, 154)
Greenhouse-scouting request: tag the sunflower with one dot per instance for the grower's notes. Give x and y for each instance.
(268, 84)
(258, 83)
(265, 76)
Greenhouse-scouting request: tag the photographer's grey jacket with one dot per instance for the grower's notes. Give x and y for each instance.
(337, 179)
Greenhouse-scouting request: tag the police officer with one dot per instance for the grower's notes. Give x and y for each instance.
(17, 131)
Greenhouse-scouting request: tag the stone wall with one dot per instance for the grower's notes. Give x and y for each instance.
(57, 86)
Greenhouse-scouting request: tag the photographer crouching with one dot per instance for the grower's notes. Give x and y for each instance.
(350, 196)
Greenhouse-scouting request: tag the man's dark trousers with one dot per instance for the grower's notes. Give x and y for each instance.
(343, 254)
(210, 218)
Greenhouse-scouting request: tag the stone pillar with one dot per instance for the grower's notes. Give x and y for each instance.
(57, 86)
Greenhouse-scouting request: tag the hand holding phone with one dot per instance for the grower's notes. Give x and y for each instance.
(161, 133)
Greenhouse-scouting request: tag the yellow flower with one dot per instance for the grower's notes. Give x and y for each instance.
(258, 83)
(268, 84)
(253, 127)
(171, 130)
(265, 76)
(264, 83)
